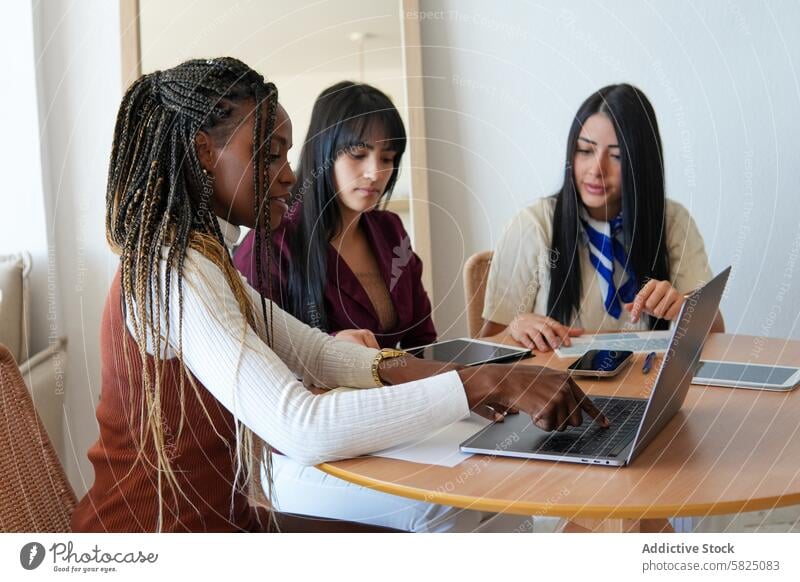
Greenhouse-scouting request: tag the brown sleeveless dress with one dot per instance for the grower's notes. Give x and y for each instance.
(124, 496)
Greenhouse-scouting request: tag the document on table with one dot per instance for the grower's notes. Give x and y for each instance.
(440, 447)
(640, 341)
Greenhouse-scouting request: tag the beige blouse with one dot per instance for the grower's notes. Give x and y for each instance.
(519, 276)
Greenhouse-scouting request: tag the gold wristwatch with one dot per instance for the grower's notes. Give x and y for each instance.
(384, 354)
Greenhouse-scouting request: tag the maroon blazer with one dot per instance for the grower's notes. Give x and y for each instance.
(347, 304)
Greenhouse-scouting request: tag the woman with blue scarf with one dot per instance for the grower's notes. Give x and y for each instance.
(607, 252)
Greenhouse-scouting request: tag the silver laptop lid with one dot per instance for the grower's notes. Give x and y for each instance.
(680, 361)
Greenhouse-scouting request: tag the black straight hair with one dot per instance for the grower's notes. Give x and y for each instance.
(643, 200)
(344, 117)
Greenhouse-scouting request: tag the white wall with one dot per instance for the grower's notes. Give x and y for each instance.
(22, 219)
(503, 81)
(79, 61)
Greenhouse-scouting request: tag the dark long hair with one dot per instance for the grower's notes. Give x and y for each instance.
(643, 199)
(343, 117)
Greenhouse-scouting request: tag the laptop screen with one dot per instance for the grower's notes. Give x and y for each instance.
(681, 360)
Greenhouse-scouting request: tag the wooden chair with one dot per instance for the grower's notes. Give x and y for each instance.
(35, 495)
(476, 273)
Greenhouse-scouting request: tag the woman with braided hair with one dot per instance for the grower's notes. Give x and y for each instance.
(195, 362)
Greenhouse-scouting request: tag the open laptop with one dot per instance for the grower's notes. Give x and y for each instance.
(634, 421)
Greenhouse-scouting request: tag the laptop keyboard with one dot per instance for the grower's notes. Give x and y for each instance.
(593, 440)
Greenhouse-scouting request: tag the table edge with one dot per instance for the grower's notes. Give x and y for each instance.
(563, 509)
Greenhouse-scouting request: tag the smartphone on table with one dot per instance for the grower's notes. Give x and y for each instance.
(601, 363)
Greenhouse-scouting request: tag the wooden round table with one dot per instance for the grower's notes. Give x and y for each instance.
(726, 451)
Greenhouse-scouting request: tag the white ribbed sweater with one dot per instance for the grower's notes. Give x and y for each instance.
(259, 385)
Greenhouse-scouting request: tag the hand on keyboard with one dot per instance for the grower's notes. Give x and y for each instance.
(551, 397)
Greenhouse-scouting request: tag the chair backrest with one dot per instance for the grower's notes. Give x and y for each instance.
(476, 273)
(14, 272)
(35, 495)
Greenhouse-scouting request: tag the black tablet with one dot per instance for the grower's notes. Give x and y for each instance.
(470, 352)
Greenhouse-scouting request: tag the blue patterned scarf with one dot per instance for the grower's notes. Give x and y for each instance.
(606, 250)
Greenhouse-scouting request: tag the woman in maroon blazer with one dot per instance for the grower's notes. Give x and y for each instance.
(343, 264)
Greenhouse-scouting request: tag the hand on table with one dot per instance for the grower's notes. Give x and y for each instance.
(540, 332)
(657, 298)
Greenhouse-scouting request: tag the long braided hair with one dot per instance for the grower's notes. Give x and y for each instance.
(159, 195)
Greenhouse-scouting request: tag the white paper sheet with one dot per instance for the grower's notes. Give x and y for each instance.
(440, 447)
(640, 341)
